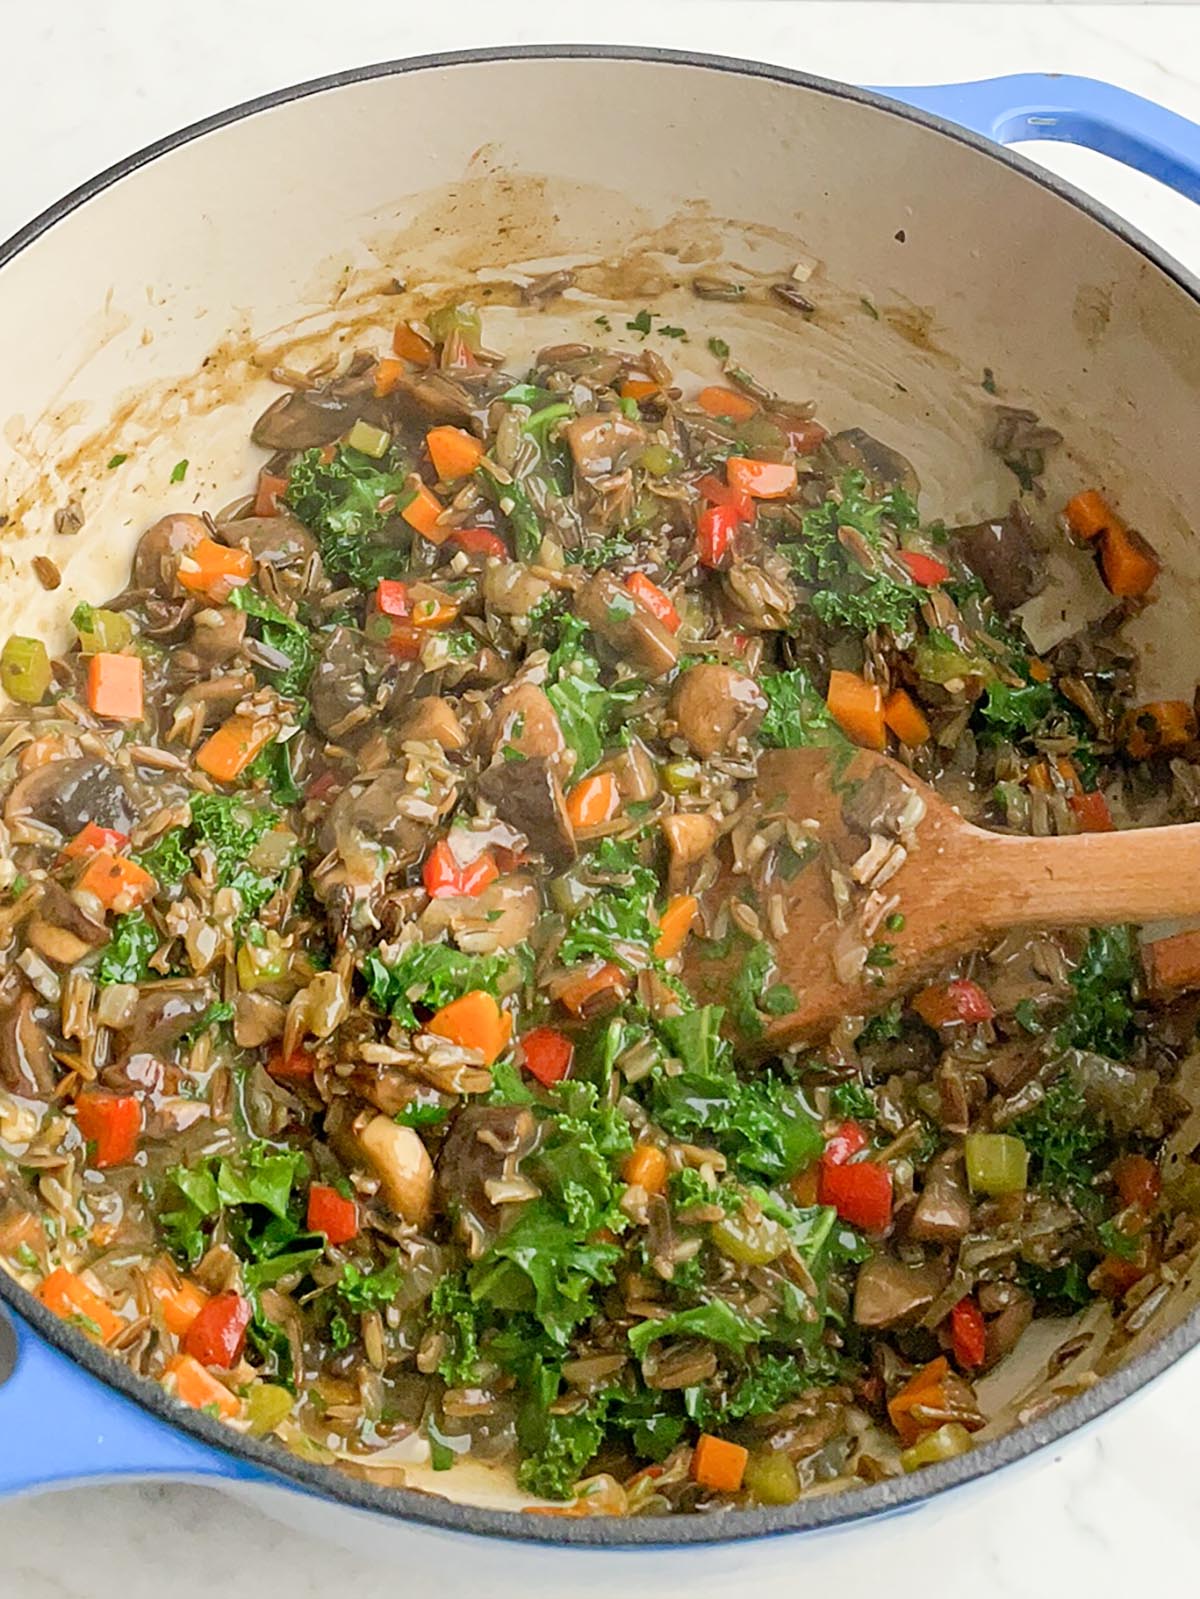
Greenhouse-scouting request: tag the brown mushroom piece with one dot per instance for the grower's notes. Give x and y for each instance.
(68, 794)
(257, 1020)
(888, 1293)
(276, 541)
(161, 548)
(500, 918)
(624, 624)
(525, 721)
(432, 720)
(713, 706)
(401, 1162)
(528, 795)
(1002, 554)
(26, 1065)
(481, 1161)
(163, 1013)
(857, 450)
(348, 672)
(306, 418)
(603, 443)
(61, 930)
(218, 633)
(942, 1213)
(691, 837)
(511, 589)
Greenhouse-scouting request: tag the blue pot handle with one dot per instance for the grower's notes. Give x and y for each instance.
(60, 1425)
(1099, 116)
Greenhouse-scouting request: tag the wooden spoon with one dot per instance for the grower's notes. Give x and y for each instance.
(958, 888)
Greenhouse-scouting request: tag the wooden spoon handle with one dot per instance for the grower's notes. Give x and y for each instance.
(1142, 875)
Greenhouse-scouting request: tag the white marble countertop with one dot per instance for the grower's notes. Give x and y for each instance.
(84, 84)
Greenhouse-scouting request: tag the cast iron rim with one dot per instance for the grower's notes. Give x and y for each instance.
(412, 1505)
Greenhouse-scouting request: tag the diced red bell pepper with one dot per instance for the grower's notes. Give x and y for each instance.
(944, 1004)
(547, 1055)
(444, 877)
(91, 839)
(649, 595)
(296, 1067)
(861, 1193)
(332, 1213)
(391, 598)
(968, 1334)
(218, 1334)
(1091, 812)
(717, 492)
(924, 569)
(715, 528)
(849, 1139)
(111, 1123)
(1138, 1180)
(480, 541)
(321, 787)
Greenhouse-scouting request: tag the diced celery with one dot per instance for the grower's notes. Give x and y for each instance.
(259, 964)
(771, 1478)
(997, 1163)
(658, 460)
(751, 1241)
(25, 669)
(100, 631)
(681, 777)
(267, 1404)
(461, 319)
(367, 439)
(949, 1440)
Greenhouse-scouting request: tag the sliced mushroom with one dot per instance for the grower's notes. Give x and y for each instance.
(1003, 555)
(887, 467)
(402, 1164)
(528, 795)
(942, 1213)
(277, 541)
(500, 918)
(888, 1292)
(162, 547)
(603, 443)
(61, 930)
(306, 418)
(611, 611)
(69, 794)
(511, 589)
(348, 673)
(433, 720)
(381, 822)
(257, 1019)
(713, 706)
(26, 1065)
(164, 1012)
(217, 634)
(691, 837)
(526, 722)
(485, 1146)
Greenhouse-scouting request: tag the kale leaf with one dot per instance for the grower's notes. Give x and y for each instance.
(339, 501)
(430, 975)
(615, 917)
(1064, 1140)
(796, 715)
(283, 633)
(1101, 1014)
(127, 958)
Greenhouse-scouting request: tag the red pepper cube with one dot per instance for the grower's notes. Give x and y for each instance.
(848, 1139)
(218, 1334)
(391, 598)
(111, 1123)
(924, 569)
(968, 1334)
(715, 528)
(332, 1213)
(861, 1193)
(547, 1055)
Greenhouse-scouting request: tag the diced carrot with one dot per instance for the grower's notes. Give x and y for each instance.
(593, 989)
(648, 594)
(1173, 964)
(117, 882)
(675, 924)
(717, 400)
(476, 1021)
(91, 839)
(857, 707)
(638, 388)
(115, 686)
(923, 1390)
(411, 346)
(454, 452)
(593, 801)
(762, 480)
(70, 1297)
(422, 513)
(1115, 1276)
(924, 569)
(192, 1385)
(1159, 727)
(234, 745)
(387, 374)
(906, 718)
(331, 1213)
(1091, 812)
(1038, 670)
(215, 570)
(266, 498)
(177, 1300)
(1089, 514)
(718, 1464)
(1128, 564)
(111, 1123)
(296, 1067)
(1138, 1180)
(433, 612)
(646, 1168)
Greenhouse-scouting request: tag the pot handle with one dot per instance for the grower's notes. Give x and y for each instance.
(60, 1425)
(1099, 116)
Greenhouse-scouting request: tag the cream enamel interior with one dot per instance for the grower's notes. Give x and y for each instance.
(147, 321)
